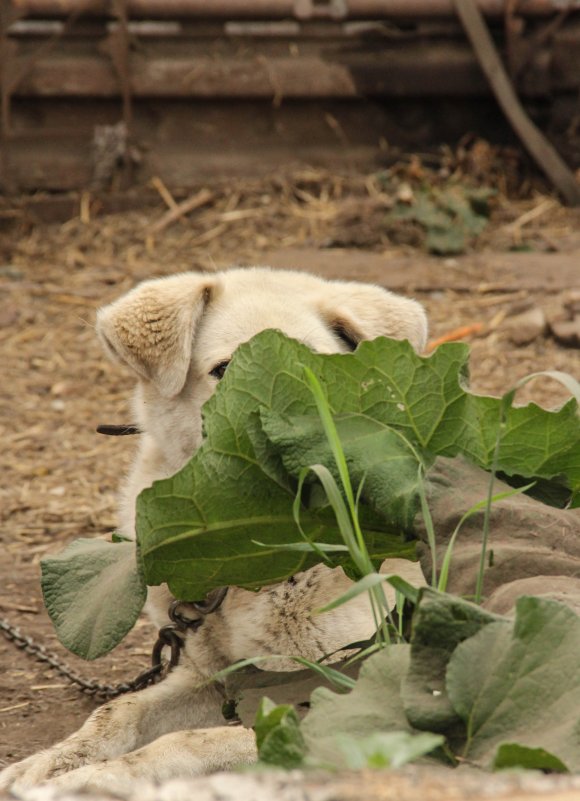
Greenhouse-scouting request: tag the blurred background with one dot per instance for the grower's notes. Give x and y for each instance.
(105, 94)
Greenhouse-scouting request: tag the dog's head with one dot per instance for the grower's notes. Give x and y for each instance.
(178, 334)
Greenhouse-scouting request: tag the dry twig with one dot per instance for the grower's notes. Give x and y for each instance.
(201, 198)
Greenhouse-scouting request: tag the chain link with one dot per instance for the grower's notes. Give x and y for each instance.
(170, 636)
(89, 687)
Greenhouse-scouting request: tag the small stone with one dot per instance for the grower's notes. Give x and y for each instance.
(405, 194)
(525, 328)
(571, 301)
(60, 388)
(567, 332)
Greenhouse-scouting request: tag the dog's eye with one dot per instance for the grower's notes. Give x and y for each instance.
(219, 370)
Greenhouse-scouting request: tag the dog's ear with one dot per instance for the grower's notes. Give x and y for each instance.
(362, 311)
(151, 328)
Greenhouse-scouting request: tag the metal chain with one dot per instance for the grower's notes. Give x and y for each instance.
(87, 686)
(170, 636)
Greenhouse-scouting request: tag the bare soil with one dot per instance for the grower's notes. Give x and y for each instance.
(59, 477)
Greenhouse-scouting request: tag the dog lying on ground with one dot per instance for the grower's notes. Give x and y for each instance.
(177, 335)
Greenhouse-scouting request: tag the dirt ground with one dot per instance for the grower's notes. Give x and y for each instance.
(59, 477)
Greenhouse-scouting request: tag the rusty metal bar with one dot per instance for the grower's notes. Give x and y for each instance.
(6, 49)
(145, 54)
(334, 67)
(283, 9)
(6, 52)
(452, 70)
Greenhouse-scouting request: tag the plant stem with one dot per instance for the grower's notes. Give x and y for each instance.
(506, 402)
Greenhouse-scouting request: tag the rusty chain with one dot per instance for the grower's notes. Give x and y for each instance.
(90, 687)
(170, 636)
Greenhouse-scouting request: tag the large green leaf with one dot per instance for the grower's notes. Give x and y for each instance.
(373, 705)
(517, 688)
(385, 749)
(93, 592)
(366, 728)
(512, 755)
(228, 544)
(506, 694)
(440, 623)
(278, 737)
(199, 529)
(212, 523)
(378, 457)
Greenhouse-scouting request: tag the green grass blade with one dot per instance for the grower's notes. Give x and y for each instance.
(363, 585)
(331, 433)
(429, 527)
(296, 507)
(333, 676)
(355, 541)
(343, 519)
(572, 385)
(477, 507)
(317, 547)
(400, 607)
(368, 651)
(567, 381)
(407, 590)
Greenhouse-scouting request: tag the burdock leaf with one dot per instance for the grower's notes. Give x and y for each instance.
(94, 592)
(517, 689)
(198, 530)
(373, 705)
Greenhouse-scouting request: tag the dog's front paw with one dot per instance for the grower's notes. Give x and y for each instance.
(36, 769)
(43, 769)
(111, 777)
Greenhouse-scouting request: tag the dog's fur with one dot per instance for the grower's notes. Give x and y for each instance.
(173, 332)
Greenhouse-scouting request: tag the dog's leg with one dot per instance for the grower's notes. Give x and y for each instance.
(123, 725)
(178, 755)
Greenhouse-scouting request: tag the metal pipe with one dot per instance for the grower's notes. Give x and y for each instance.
(284, 9)
(397, 72)
(452, 69)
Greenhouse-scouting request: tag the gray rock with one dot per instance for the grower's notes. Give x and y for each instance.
(526, 327)
(567, 332)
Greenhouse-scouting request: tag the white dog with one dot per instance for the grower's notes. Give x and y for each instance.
(177, 334)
